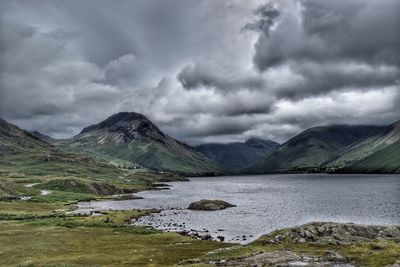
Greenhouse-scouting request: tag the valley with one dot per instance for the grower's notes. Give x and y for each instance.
(128, 160)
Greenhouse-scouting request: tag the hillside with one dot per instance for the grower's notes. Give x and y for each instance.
(386, 160)
(44, 137)
(22, 154)
(312, 148)
(238, 155)
(357, 152)
(131, 138)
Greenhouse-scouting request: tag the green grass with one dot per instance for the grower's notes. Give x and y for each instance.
(26, 207)
(104, 240)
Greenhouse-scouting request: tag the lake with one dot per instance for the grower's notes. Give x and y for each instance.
(268, 202)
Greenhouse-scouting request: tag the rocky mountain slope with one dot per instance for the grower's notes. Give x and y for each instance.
(238, 155)
(132, 138)
(312, 149)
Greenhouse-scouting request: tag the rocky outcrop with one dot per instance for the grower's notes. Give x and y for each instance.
(287, 258)
(317, 245)
(336, 234)
(206, 204)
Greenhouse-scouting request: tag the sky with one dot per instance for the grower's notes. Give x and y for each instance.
(202, 70)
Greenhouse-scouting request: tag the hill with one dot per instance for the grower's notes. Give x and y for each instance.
(27, 162)
(387, 136)
(386, 160)
(312, 149)
(23, 154)
(44, 137)
(131, 138)
(238, 155)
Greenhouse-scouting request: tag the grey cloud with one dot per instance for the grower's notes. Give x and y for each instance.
(267, 15)
(202, 70)
(357, 30)
(192, 77)
(319, 79)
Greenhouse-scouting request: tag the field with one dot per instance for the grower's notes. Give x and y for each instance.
(51, 238)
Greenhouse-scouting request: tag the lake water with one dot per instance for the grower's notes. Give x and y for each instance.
(268, 202)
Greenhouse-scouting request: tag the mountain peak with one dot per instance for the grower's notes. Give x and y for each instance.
(125, 127)
(121, 118)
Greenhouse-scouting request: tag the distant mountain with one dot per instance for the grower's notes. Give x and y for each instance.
(312, 149)
(44, 137)
(131, 137)
(238, 155)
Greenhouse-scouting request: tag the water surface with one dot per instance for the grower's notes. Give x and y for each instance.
(269, 202)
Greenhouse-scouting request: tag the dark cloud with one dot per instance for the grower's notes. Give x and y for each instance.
(318, 79)
(192, 77)
(321, 31)
(202, 70)
(267, 15)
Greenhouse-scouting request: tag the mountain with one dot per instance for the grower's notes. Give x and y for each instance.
(238, 155)
(131, 138)
(386, 160)
(24, 155)
(44, 137)
(312, 149)
(379, 153)
(387, 136)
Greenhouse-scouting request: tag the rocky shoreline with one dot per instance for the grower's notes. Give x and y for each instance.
(317, 244)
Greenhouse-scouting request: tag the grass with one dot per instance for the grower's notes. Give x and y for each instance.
(104, 240)
(42, 234)
(26, 207)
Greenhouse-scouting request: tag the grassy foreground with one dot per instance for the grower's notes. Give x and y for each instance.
(50, 238)
(44, 234)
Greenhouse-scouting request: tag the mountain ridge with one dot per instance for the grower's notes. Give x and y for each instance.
(131, 137)
(237, 155)
(313, 148)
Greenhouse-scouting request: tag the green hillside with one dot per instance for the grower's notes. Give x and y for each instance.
(131, 139)
(357, 152)
(386, 160)
(312, 149)
(25, 159)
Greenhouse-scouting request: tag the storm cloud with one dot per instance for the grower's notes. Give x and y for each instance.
(202, 70)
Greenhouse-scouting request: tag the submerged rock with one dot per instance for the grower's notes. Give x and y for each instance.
(206, 204)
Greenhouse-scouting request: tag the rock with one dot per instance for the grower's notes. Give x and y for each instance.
(126, 197)
(301, 240)
(206, 204)
(336, 234)
(396, 264)
(191, 261)
(206, 237)
(333, 257)
(221, 238)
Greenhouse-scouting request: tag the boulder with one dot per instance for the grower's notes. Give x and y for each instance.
(206, 204)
